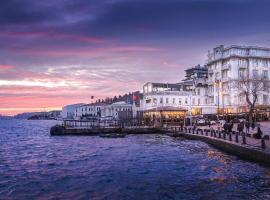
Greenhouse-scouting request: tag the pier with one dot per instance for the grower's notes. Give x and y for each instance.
(92, 131)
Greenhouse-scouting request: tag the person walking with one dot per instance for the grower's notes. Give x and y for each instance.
(247, 126)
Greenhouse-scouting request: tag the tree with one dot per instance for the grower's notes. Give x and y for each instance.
(251, 88)
(114, 98)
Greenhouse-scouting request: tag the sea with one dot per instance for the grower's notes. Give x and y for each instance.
(35, 165)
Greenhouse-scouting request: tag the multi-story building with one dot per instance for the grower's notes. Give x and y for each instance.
(190, 94)
(226, 66)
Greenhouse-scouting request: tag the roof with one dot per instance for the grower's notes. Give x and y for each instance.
(245, 47)
(164, 85)
(119, 103)
(166, 108)
(95, 104)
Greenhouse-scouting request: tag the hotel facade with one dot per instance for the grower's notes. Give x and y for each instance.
(210, 89)
(227, 66)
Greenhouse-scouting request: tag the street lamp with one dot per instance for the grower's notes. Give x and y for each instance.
(217, 82)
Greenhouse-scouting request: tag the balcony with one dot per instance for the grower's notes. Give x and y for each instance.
(210, 71)
(226, 67)
(225, 79)
(242, 66)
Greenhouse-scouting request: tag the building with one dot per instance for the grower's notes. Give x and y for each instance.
(226, 66)
(117, 111)
(68, 111)
(90, 111)
(190, 94)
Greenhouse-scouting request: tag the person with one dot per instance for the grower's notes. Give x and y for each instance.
(225, 127)
(247, 126)
(209, 123)
(194, 128)
(230, 127)
(259, 133)
(240, 127)
(253, 125)
(182, 126)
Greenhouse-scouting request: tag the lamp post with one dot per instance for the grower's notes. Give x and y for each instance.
(217, 81)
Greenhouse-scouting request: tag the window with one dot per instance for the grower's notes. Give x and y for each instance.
(167, 100)
(186, 101)
(193, 101)
(173, 100)
(240, 98)
(198, 91)
(265, 87)
(199, 101)
(265, 99)
(241, 73)
(265, 74)
(255, 73)
(161, 100)
(180, 101)
(148, 101)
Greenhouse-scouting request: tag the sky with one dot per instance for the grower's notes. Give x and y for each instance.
(59, 52)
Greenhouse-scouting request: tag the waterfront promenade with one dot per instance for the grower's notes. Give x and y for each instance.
(242, 145)
(250, 140)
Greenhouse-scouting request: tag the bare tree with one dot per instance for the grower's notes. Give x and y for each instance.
(251, 88)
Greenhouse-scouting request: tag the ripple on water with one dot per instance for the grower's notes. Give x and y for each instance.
(34, 165)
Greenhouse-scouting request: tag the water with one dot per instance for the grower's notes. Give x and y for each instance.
(34, 165)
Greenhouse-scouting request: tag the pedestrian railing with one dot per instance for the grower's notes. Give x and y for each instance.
(234, 136)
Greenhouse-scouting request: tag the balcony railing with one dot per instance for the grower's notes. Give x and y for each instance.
(242, 66)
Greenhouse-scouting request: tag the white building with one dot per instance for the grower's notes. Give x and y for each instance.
(103, 111)
(68, 111)
(228, 64)
(90, 110)
(114, 110)
(190, 94)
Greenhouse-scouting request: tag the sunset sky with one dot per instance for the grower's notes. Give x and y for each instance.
(57, 52)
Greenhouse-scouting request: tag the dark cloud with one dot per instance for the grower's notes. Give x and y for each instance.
(181, 18)
(18, 12)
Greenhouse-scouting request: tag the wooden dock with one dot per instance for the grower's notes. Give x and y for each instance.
(62, 131)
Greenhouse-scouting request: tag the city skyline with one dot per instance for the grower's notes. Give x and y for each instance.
(60, 52)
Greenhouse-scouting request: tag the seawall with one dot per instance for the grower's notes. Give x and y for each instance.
(243, 151)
